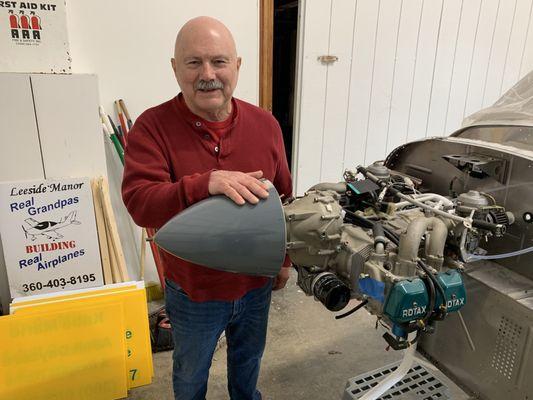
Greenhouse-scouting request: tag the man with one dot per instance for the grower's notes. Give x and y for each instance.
(201, 143)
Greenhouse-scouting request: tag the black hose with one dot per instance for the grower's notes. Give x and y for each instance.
(357, 307)
(425, 268)
(432, 299)
(359, 220)
(379, 234)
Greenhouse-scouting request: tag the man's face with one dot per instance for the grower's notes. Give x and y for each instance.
(207, 70)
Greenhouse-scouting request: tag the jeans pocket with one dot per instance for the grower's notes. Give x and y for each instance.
(175, 287)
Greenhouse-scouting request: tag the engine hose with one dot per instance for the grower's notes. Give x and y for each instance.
(432, 300)
(357, 307)
(359, 220)
(424, 267)
(474, 257)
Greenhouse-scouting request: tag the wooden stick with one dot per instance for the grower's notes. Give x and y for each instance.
(122, 122)
(113, 258)
(102, 236)
(126, 113)
(112, 229)
(157, 257)
(143, 254)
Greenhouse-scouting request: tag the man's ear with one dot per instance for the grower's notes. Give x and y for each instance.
(239, 60)
(173, 63)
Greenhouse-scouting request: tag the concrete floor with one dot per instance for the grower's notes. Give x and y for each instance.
(309, 354)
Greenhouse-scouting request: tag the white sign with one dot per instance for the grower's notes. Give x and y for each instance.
(49, 236)
(33, 37)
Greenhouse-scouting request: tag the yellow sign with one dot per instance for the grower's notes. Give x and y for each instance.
(69, 354)
(137, 350)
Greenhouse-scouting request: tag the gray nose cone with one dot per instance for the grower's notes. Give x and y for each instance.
(222, 235)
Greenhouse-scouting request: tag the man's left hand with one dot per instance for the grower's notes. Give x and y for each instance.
(281, 280)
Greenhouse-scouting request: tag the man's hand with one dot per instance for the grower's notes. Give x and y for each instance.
(281, 280)
(238, 186)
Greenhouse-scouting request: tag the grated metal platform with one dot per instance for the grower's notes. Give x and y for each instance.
(418, 384)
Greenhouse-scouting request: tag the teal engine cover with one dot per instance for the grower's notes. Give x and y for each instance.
(454, 289)
(408, 300)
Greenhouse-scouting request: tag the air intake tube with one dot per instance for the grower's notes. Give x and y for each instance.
(330, 291)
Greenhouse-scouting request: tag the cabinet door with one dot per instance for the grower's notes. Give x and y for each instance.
(66, 107)
(20, 154)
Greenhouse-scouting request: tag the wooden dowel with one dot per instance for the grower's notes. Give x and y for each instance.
(102, 236)
(113, 230)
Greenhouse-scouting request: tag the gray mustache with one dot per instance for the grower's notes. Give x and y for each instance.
(209, 85)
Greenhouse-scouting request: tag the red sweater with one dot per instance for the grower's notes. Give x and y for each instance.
(168, 161)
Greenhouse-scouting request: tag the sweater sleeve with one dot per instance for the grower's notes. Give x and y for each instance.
(148, 190)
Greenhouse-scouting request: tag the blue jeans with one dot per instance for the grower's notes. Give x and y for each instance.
(196, 328)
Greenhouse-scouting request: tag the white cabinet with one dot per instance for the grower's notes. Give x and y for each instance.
(49, 128)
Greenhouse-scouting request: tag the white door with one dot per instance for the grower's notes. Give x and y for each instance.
(405, 70)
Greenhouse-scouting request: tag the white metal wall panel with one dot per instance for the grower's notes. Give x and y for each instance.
(404, 73)
(382, 78)
(517, 42)
(337, 89)
(312, 92)
(481, 58)
(462, 67)
(424, 69)
(407, 69)
(499, 51)
(366, 20)
(527, 56)
(444, 62)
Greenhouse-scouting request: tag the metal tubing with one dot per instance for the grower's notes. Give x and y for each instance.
(437, 239)
(425, 197)
(410, 241)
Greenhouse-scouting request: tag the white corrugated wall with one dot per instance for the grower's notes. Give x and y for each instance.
(406, 69)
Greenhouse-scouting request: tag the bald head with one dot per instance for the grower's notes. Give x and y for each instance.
(206, 67)
(200, 29)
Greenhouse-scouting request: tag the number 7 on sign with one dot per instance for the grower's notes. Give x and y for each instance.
(133, 372)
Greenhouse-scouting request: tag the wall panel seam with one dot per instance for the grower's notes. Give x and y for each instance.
(453, 68)
(372, 82)
(472, 59)
(490, 53)
(508, 45)
(393, 77)
(525, 41)
(434, 66)
(326, 93)
(349, 85)
(414, 72)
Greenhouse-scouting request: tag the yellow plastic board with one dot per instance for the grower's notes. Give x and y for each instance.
(40, 298)
(136, 331)
(71, 354)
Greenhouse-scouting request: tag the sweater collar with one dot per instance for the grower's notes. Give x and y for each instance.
(197, 122)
